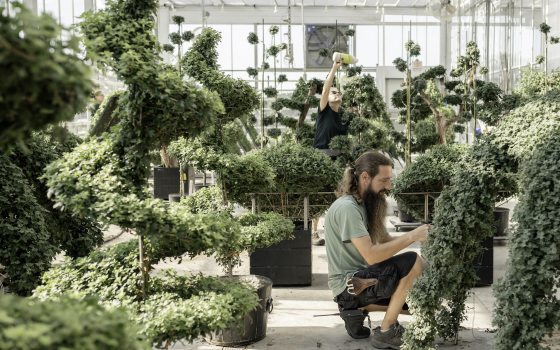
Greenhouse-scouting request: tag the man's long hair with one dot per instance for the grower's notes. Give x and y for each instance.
(375, 204)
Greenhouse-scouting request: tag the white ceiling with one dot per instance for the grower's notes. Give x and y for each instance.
(385, 3)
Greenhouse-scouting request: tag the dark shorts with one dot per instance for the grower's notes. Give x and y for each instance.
(388, 272)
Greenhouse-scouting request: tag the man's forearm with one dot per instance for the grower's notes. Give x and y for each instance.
(330, 78)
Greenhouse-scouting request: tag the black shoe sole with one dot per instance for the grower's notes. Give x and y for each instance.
(381, 345)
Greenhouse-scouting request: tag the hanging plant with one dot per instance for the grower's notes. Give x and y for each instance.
(282, 78)
(273, 30)
(265, 65)
(350, 32)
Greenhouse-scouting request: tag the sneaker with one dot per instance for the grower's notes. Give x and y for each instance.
(391, 339)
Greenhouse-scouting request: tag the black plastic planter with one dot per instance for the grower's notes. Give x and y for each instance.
(254, 324)
(166, 181)
(287, 263)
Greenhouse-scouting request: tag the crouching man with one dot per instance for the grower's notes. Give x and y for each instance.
(365, 274)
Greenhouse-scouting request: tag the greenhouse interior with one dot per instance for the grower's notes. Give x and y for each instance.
(402, 149)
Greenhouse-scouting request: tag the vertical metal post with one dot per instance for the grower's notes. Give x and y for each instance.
(304, 44)
(253, 204)
(426, 211)
(487, 35)
(262, 87)
(305, 212)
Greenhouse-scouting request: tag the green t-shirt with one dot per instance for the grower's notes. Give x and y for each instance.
(345, 219)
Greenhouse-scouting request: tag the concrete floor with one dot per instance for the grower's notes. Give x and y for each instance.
(294, 325)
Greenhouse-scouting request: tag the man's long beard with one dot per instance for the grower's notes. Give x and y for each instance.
(376, 210)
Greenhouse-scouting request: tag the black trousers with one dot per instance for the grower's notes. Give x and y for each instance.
(388, 273)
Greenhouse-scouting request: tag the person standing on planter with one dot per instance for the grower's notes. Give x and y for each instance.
(365, 271)
(328, 125)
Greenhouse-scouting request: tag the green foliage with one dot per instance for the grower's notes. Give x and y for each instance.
(192, 306)
(350, 32)
(533, 83)
(253, 38)
(205, 201)
(544, 28)
(437, 298)
(253, 72)
(77, 236)
(273, 30)
(527, 127)
(168, 48)
(187, 36)
(361, 94)
(99, 189)
(43, 79)
(282, 78)
(201, 63)
(27, 324)
(274, 133)
(237, 175)
(179, 307)
(353, 71)
(400, 64)
(528, 136)
(412, 48)
(25, 251)
(270, 92)
(257, 231)
(300, 169)
(106, 115)
(430, 172)
(425, 135)
(273, 51)
(527, 305)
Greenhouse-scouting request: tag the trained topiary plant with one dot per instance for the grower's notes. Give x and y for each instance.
(65, 324)
(430, 172)
(198, 304)
(453, 243)
(298, 171)
(527, 304)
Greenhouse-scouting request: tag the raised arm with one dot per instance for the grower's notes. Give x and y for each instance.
(327, 86)
(376, 253)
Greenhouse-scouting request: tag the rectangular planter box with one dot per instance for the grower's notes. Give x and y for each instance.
(484, 264)
(287, 263)
(166, 181)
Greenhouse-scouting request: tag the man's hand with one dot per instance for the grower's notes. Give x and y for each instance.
(420, 234)
(336, 65)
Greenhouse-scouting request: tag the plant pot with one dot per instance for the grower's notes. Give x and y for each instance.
(287, 263)
(254, 325)
(166, 181)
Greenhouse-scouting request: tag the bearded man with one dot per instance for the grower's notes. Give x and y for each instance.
(365, 274)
